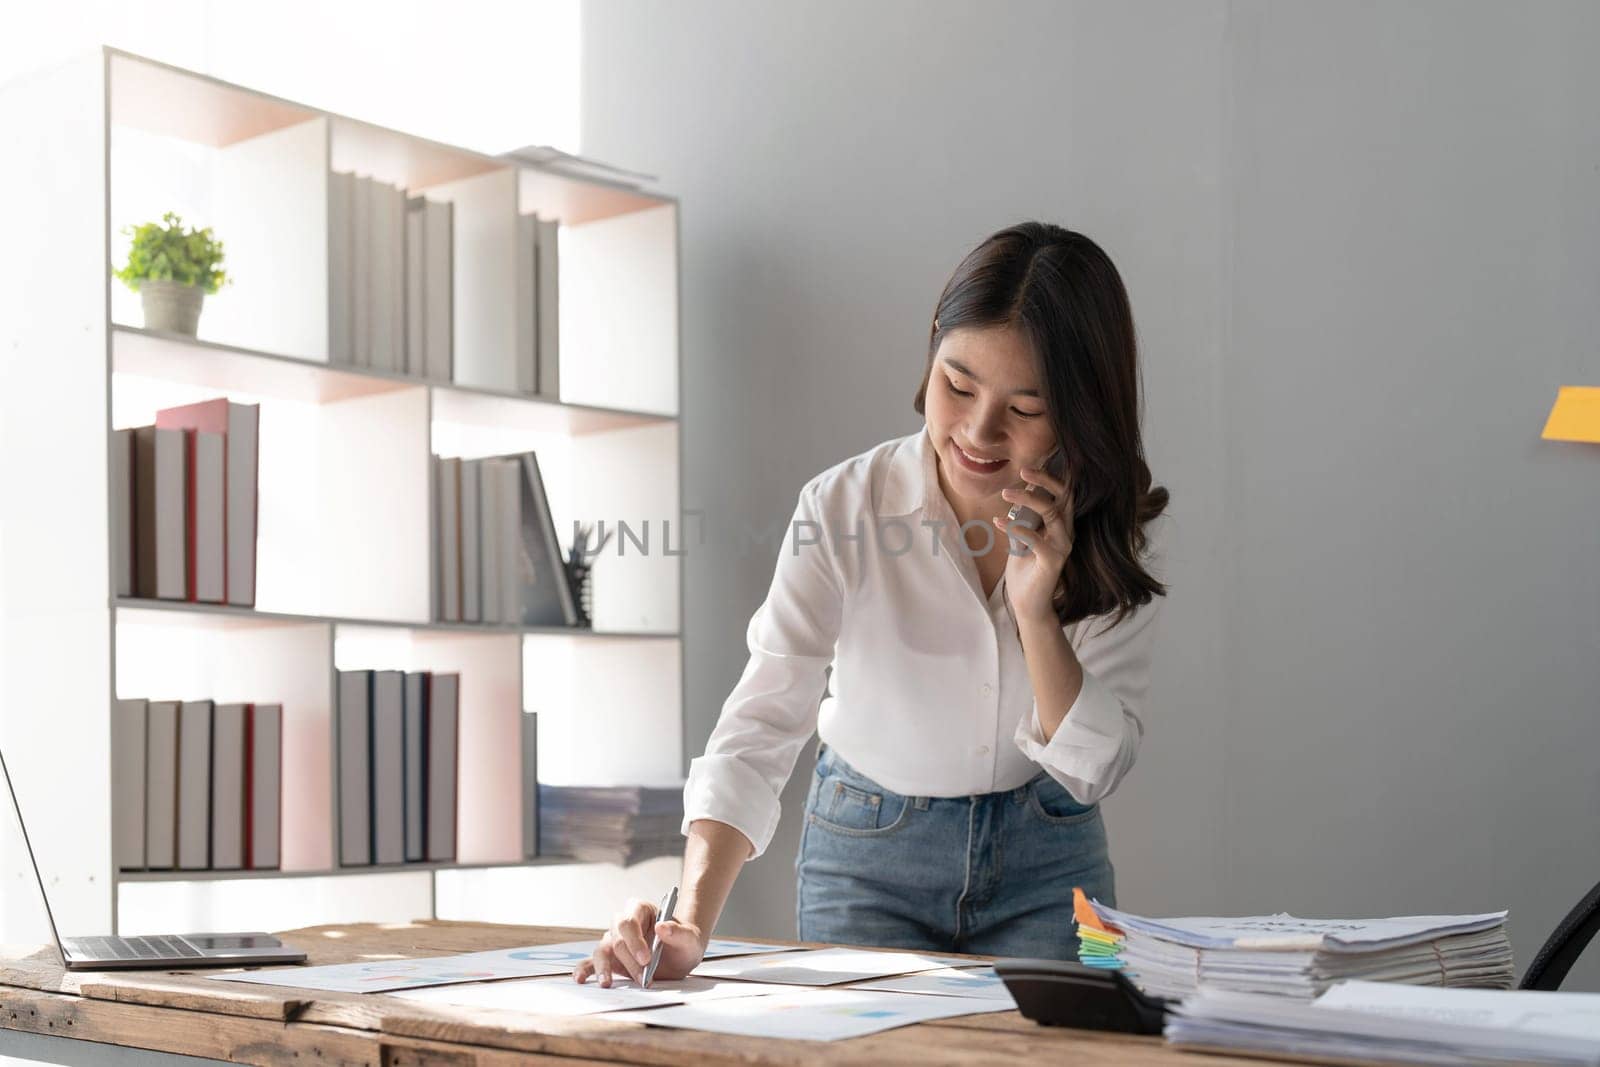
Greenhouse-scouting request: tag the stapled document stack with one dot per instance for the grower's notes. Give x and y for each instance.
(1383, 1022)
(1283, 955)
(615, 824)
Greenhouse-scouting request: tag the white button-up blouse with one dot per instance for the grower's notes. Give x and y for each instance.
(930, 693)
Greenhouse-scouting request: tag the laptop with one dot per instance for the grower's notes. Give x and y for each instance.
(156, 951)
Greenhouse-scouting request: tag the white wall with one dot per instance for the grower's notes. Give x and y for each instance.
(1362, 245)
(481, 74)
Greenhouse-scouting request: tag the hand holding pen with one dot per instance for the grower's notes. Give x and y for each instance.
(628, 946)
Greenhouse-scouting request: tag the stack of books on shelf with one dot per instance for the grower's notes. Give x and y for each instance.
(1285, 956)
(496, 556)
(538, 307)
(390, 265)
(197, 785)
(183, 504)
(611, 824)
(397, 744)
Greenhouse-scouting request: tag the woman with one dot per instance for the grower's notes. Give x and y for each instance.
(984, 695)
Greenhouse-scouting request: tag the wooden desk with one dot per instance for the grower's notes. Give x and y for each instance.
(181, 1013)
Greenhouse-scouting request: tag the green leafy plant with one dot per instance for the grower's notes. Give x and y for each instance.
(165, 251)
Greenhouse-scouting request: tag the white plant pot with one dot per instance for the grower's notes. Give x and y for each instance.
(171, 306)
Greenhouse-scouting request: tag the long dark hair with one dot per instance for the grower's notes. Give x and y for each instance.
(1063, 293)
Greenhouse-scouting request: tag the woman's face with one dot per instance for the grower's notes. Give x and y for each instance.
(985, 413)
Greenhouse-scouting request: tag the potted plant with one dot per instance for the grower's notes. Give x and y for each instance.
(172, 268)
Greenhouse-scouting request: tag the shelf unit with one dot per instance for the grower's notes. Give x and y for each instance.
(345, 539)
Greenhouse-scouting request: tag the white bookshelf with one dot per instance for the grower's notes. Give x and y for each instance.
(345, 538)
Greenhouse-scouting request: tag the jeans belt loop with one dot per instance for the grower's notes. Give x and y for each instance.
(920, 803)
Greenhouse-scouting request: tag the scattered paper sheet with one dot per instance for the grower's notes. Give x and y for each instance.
(569, 954)
(563, 996)
(947, 982)
(813, 1014)
(383, 976)
(825, 966)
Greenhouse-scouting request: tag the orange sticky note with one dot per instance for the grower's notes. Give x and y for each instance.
(1575, 416)
(1084, 912)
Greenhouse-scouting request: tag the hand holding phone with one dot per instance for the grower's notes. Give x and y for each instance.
(1026, 517)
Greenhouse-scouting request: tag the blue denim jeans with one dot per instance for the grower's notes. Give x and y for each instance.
(990, 874)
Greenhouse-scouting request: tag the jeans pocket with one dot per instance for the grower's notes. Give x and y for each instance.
(848, 809)
(1051, 801)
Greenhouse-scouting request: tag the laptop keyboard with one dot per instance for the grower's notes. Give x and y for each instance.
(133, 948)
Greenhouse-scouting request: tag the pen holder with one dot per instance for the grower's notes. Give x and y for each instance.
(579, 575)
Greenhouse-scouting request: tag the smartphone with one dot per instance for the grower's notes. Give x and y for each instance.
(1026, 517)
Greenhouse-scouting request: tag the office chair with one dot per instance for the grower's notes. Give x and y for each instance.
(1562, 949)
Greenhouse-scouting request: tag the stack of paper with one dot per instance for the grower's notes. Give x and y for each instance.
(1301, 957)
(616, 824)
(1398, 1024)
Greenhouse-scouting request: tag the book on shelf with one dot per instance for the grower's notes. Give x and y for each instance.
(444, 692)
(224, 509)
(527, 300)
(227, 786)
(263, 790)
(416, 765)
(447, 543)
(161, 785)
(341, 266)
(416, 302)
(194, 785)
(549, 315)
(471, 545)
(388, 767)
(360, 273)
(127, 781)
(539, 577)
(491, 531)
(530, 785)
(160, 534)
(496, 526)
(386, 234)
(354, 762)
(121, 470)
(439, 228)
(397, 767)
(204, 516)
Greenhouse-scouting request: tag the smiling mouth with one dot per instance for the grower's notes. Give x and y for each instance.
(976, 462)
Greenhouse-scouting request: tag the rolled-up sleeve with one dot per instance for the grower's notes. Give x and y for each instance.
(772, 710)
(1098, 741)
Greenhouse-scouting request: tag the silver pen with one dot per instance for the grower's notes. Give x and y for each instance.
(665, 915)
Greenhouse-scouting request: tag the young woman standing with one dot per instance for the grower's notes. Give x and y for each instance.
(984, 695)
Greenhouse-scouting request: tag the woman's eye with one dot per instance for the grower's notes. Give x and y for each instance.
(953, 389)
(1028, 414)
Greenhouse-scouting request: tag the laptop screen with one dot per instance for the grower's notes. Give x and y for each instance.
(22, 825)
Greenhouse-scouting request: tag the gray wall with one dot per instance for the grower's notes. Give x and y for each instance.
(1363, 247)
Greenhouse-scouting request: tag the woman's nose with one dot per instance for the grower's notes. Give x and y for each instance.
(986, 429)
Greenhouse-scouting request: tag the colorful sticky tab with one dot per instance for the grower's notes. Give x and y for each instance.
(1574, 417)
(1084, 912)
